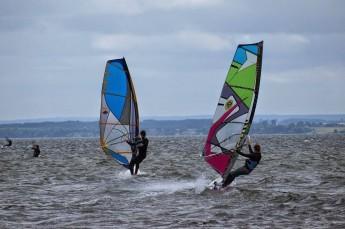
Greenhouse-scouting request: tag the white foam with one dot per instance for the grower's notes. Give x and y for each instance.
(167, 186)
(172, 186)
(126, 174)
(201, 184)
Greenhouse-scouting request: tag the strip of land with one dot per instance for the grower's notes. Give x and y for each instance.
(330, 124)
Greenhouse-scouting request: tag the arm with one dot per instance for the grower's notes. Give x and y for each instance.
(249, 143)
(243, 154)
(250, 155)
(131, 143)
(140, 143)
(250, 148)
(135, 143)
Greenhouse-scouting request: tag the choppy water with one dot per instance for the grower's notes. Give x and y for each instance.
(300, 183)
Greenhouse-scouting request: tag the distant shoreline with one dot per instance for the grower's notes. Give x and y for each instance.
(258, 117)
(324, 124)
(172, 136)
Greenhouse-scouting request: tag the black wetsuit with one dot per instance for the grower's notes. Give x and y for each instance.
(37, 151)
(9, 142)
(140, 156)
(252, 161)
(254, 158)
(134, 150)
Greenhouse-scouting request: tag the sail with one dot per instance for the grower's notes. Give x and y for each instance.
(119, 119)
(235, 109)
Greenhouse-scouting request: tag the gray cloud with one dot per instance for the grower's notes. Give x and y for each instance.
(53, 54)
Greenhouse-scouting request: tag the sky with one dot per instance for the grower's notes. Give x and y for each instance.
(53, 54)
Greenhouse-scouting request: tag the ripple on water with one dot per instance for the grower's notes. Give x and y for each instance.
(298, 183)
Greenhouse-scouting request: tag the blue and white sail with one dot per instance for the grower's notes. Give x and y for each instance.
(119, 118)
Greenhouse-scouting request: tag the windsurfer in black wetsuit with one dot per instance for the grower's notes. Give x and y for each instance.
(253, 160)
(137, 157)
(36, 149)
(8, 144)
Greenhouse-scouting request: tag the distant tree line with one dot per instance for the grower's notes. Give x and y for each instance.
(50, 129)
(155, 128)
(271, 127)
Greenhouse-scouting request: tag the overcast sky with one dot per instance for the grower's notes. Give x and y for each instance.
(53, 54)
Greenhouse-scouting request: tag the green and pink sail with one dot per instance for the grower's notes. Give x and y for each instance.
(235, 109)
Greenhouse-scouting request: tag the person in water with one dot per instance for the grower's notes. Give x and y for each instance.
(140, 149)
(36, 149)
(253, 160)
(8, 144)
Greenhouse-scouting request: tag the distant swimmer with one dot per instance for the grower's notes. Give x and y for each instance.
(253, 160)
(8, 144)
(36, 149)
(139, 145)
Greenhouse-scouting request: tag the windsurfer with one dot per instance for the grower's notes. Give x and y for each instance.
(139, 145)
(8, 144)
(36, 149)
(253, 160)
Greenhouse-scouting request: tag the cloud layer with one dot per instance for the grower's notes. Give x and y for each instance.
(53, 54)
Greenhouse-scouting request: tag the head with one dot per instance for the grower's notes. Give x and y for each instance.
(143, 133)
(257, 148)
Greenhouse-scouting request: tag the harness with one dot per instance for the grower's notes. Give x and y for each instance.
(250, 164)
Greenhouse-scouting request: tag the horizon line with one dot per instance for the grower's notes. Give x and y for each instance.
(148, 117)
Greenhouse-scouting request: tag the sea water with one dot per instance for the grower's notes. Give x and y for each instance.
(299, 183)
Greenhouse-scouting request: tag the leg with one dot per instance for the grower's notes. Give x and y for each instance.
(136, 168)
(232, 175)
(138, 161)
(131, 165)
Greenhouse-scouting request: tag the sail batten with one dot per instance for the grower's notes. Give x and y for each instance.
(235, 108)
(119, 118)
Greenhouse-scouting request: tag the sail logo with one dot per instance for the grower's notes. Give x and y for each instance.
(228, 104)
